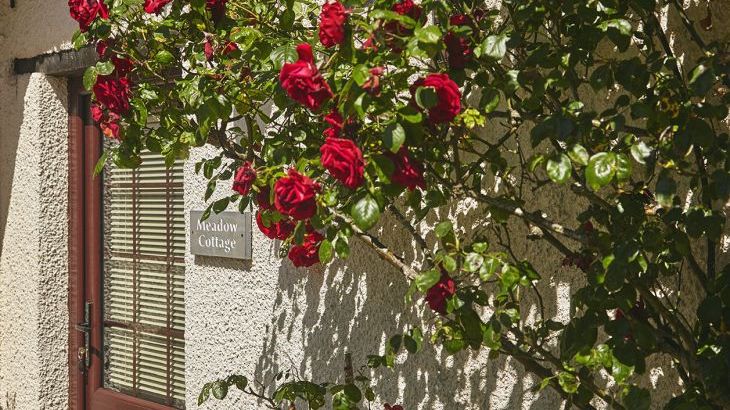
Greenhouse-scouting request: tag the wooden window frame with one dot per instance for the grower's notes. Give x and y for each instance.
(86, 389)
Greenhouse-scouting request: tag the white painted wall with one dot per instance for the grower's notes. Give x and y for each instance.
(33, 209)
(256, 318)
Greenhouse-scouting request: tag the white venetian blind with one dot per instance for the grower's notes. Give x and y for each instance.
(144, 310)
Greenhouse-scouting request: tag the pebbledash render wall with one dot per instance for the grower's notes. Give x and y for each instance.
(253, 318)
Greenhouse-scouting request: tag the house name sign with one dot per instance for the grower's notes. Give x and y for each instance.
(226, 235)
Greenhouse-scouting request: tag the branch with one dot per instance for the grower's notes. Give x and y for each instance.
(383, 252)
(535, 217)
(412, 230)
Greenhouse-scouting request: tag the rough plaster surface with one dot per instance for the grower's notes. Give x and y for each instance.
(34, 261)
(33, 210)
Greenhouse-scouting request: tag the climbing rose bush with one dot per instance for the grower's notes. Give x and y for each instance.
(575, 125)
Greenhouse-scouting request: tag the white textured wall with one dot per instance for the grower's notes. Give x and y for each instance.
(33, 210)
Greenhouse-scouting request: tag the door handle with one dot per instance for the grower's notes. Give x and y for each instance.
(84, 352)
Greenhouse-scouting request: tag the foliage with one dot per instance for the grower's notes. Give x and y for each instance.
(436, 101)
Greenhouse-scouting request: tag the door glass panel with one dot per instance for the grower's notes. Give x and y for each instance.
(144, 276)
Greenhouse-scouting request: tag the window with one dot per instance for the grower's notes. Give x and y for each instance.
(143, 281)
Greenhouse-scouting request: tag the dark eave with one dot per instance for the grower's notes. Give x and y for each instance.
(61, 63)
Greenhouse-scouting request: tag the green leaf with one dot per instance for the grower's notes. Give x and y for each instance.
(600, 170)
(325, 252)
(444, 228)
(623, 167)
(426, 97)
(204, 394)
(219, 389)
(641, 152)
(89, 78)
(360, 74)
(623, 26)
(79, 40)
(558, 169)
(366, 213)
(104, 68)
(164, 57)
(568, 382)
(579, 155)
(221, 205)
(394, 137)
(99, 168)
(428, 35)
(239, 381)
(353, 393)
(666, 189)
(494, 47)
(473, 261)
(284, 54)
(701, 79)
(427, 280)
(490, 265)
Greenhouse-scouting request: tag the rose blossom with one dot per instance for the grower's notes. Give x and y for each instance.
(112, 93)
(303, 82)
(408, 171)
(372, 84)
(229, 48)
(244, 179)
(86, 11)
(343, 159)
(218, 8)
(263, 198)
(332, 24)
(458, 48)
(306, 254)
(277, 230)
(336, 122)
(155, 6)
(437, 296)
(396, 29)
(447, 93)
(295, 195)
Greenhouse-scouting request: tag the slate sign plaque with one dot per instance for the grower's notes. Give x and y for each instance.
(227, 235)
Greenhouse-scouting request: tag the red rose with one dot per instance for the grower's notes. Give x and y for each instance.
(396, 29)
(372, 84)
(155, 6)
(336, 122)
(218, 8)
(343, 159)
(332, 24)
(86, 11)
(303, 82)
(306, 254)
(437, 296)
(447, 93)
(97, 113)
(101, 48)
(112, 93)
(278, 230)
(110, 126)
(408, 171)
(208, 49)
(458, 48)
(295, 196)
(229, 48)
(123, 66)
(245, 176)
(263, 198)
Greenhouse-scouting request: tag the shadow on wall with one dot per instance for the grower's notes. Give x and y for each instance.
(12, 95)
(9, 402)
(356, 305)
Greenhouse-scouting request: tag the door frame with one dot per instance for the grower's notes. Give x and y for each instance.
(86, 389)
